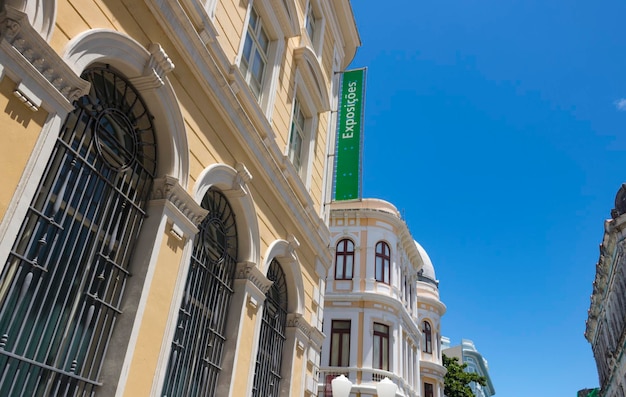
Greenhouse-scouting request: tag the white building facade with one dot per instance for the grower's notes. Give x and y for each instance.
(382, 309)
(606, 322)
(467, 353)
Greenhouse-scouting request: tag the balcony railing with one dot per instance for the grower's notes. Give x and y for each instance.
(362, 378)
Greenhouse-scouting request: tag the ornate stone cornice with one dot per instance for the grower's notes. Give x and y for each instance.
(296, 320)
(249, 271)
(17, 33)
(168, 188)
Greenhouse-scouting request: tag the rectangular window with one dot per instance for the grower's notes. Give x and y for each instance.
(297, 138)
(340, 343)
(255, 53)
(428, 390)
(381, 347)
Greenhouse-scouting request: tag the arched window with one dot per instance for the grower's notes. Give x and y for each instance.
(344, 260)
(194, 362)
(427, 346)
(383, 259)
(272, 337)
(61, 288)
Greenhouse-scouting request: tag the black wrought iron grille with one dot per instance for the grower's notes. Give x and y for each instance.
(272, 337)
(194, 363)
(61, 287)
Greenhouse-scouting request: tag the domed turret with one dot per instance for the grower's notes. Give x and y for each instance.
(428, 270)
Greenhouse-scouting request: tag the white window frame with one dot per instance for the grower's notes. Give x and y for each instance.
(308, 108)
(298, 129)
(314, 9)
(276, 35)
(258, 52)
(210, 7)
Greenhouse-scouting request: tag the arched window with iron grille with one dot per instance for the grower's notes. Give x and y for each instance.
(62, 285)
(195, 359)
(272, 338)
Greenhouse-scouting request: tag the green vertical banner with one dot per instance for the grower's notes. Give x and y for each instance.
(347, 184)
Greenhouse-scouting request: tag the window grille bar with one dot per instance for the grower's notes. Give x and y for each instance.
(104, 178)
(47, 367)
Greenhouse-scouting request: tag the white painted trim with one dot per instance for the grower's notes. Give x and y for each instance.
(41, 14)
(151, 252)
(277, 35)
(135, 62)
(284, 252)
(233, 184)
(26, 188)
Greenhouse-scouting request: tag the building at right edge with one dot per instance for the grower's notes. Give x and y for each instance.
(606, 321)
(467, 353)
(382, 312)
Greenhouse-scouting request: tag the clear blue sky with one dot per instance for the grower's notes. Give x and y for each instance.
(496, 128)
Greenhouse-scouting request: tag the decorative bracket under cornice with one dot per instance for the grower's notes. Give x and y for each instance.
(168, 188)
(249, 271)
(155, 70)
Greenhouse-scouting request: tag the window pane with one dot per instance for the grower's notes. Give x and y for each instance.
(253, 19)
(349, 264)
(339, 266)
(334, 348)
(385, 353)
(263, 42)
(345, 351)
(247, 50)
(376, 351)
(310, 22)
(258, 67)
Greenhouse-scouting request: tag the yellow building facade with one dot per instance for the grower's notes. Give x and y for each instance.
(164, 169)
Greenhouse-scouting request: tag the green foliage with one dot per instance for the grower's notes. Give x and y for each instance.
(457, 381)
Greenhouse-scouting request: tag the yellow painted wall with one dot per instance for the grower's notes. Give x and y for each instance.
(20, 130)
(245, 361)
(154, 320)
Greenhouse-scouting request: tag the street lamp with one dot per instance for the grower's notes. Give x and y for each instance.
(386, 388)
(341, 386)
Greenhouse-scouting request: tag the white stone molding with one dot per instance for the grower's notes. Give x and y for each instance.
(287, 15)
(131, 59)
(33, 63)
(284, 252)
(168, 188)
(233, 183)
(158, 66)
(343, 26)
(313, 77)
(41, 14)
(250, 271)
